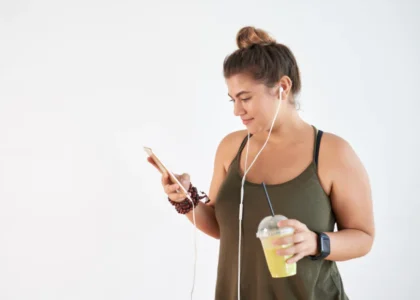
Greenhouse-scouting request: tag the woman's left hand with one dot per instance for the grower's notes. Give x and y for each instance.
(304, 240)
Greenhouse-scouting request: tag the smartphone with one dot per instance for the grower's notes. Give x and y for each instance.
(163, 168)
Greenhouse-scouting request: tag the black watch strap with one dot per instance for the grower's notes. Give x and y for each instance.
(323, 246)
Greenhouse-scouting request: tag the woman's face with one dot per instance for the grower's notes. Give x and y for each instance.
(253, 102)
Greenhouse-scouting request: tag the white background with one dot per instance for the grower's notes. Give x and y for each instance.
(85, 84)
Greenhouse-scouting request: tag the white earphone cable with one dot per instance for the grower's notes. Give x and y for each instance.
(195, 248)
(242, 190)
(188, 196)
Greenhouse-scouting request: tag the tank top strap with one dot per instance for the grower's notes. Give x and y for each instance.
(317, 142)
(242, 146)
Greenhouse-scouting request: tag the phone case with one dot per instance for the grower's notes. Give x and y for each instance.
(163, 168)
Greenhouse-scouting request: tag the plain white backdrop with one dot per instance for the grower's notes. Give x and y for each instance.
(84, 85)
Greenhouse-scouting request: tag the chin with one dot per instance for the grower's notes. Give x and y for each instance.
(254, 129)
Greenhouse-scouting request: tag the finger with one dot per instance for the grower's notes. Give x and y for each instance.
(171, 188)
(177, 197)
(286, 251)
(152, 162)
(184, 179)
(298, 226)
(290, 239)
(165, 179)
(172, 177)
(297, 248)
(286, 240)
(295, 258)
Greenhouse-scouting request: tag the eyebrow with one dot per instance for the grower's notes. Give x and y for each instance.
(240, 93)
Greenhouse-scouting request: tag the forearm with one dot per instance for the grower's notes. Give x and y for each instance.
(205, 219)
(347, 244)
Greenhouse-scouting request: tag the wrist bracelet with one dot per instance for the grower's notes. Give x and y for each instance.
(185, 205)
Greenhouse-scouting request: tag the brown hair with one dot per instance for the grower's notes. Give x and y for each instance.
(263, 58)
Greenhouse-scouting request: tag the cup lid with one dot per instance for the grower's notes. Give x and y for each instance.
(268, 227)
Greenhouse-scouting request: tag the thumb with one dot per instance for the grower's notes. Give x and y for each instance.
(185, 178)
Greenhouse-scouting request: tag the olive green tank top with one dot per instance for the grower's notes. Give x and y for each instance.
(301, 198)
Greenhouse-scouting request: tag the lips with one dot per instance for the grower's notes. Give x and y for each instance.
(246, 121)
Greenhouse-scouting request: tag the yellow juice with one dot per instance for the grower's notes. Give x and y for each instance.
(276, 263)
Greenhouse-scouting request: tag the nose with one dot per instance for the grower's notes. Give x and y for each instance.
(238, 109)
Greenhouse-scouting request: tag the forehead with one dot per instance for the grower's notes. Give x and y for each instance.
(242, 82)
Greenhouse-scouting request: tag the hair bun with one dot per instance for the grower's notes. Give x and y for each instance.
(248, 36)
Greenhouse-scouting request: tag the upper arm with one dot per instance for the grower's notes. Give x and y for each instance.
(350, 191)
(224, 154)
(219, 174)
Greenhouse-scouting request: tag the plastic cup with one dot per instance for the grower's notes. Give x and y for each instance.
(268, 232)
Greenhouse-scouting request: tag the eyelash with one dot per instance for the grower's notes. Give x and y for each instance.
(231, 100)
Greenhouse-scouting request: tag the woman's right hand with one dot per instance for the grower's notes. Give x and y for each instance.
(171, 188)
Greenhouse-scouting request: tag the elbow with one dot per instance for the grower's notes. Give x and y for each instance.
(215, 235)
(212, 231)
(367, 245)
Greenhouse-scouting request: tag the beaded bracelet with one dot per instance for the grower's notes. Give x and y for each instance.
(185, 205)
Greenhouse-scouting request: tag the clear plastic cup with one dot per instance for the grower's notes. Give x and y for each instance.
(267, 232)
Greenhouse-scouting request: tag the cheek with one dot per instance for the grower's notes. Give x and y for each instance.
(261, 111)
(270, 108)
(253, 108)
(260, 108)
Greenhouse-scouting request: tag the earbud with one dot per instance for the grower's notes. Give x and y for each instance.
(280, 91)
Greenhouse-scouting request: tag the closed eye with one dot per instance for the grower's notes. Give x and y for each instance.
(246, 99)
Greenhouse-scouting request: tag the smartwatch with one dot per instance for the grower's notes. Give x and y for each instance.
(323, 246)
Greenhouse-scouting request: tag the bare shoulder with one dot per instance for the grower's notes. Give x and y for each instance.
(339, 163)
(225, 153)
(335, 151)
(337, 159)
(229, 146)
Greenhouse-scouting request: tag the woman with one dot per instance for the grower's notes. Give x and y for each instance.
(316, 183)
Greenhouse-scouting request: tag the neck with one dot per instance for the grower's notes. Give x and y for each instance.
(286, 128)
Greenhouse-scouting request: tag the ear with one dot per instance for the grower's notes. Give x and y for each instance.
(279, 91)
(286, 84)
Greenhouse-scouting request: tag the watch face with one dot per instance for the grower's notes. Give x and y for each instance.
(325, 244)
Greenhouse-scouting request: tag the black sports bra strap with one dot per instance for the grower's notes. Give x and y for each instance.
(242, 146)
(317, 145)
